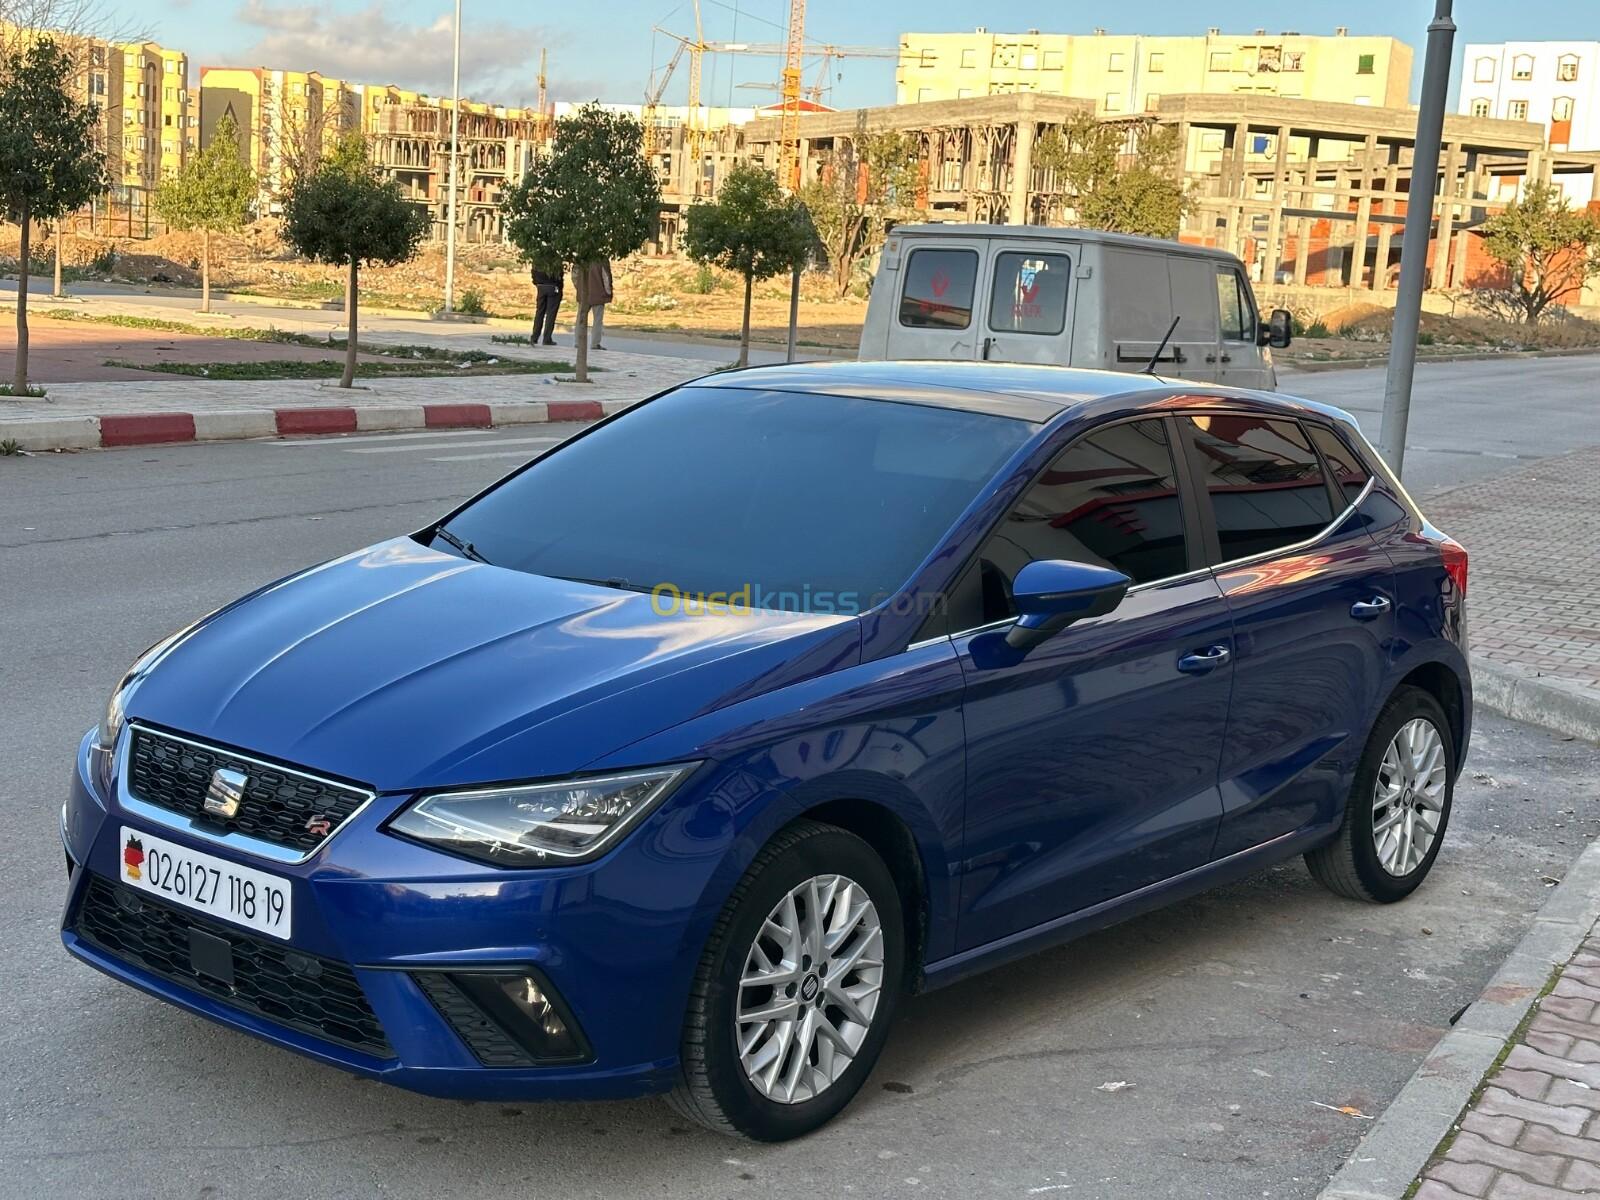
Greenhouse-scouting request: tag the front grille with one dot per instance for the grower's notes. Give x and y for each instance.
(280, 805)
(315, 995)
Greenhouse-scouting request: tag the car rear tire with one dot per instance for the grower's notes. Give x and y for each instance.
(1399, 805)
(793, 996)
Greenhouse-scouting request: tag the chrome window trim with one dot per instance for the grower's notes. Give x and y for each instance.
(1296, 547)
(233, 841)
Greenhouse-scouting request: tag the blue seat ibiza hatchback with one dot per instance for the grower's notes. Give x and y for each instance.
(672, 760)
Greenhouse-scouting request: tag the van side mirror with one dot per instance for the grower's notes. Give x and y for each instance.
(1051, 594)
(1279, 330)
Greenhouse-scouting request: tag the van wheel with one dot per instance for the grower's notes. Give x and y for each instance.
(792, 1000)
(1398, 809)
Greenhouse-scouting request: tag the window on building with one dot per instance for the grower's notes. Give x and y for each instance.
(1294, 60)
(1363, 99)
(924, 94)
(938, 289)
(1220, 60)
(1567, 68)
(1113, 102)
(1350, 474)
(1561, 110)
(1211, 139)
(167, 120)
(1114, 62)
(1264, 480)
(1517, 110)
(1260, 144)
(1030, 60)
(171, 66)
(1481, 107)
(928, 59)
(1152, 101)
(1030, 293)
(969, 58)
(1053, 60)
(963, 93)
(1158, 61)
(1366, 64)
(1483, 70)
(1522, 66)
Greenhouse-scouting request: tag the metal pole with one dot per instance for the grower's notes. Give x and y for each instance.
(794, 313)
(455, 155)
(1414, 242)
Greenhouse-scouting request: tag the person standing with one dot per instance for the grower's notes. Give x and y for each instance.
(597, 280)
(547, 287)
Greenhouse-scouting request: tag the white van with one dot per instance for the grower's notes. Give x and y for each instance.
(1074, 297)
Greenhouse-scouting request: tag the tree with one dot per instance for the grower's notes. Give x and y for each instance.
(861, 192)
(1549, 250)
(1115, 179)
(212, 193)
(593, 197)
(347, 216)
(49, 165)
(751, 228)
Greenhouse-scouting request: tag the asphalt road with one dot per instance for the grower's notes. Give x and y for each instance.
(1232, 1018)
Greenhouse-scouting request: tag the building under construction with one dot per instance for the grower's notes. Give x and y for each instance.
(1305, 192)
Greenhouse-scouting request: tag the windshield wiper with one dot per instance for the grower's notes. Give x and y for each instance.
(466, 548)
(615, 583)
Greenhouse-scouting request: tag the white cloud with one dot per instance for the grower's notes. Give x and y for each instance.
(499, 61)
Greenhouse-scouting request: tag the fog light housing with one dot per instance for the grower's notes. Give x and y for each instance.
(510, 1018)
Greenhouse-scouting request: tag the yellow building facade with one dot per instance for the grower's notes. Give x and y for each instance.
(1129, 73)
(286, 119)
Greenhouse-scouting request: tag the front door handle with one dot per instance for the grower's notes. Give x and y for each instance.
(1200, 661)
(987, 342)
(1366, 610)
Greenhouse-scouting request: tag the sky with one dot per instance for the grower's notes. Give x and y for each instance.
(606, 49)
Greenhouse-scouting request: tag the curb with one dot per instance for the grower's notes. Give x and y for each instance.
(1313, 366)
(1399, 1145)
(1557, 704)
(235, 424)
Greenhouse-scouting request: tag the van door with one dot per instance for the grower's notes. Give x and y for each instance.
(1028, 316)
(1240, 363)
(1194, 302)
(936, 288)
(1138, 312)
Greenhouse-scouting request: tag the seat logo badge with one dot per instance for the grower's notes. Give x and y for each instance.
(225, 793)
(319, 825)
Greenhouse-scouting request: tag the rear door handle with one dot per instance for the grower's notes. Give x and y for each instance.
(1366, 610)
(987, 342)
(1201, 661)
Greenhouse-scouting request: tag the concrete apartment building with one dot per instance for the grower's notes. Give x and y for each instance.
(1129, 73)
(1553, 84)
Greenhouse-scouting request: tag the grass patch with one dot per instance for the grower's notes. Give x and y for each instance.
(10, 448)
(332, 369)
(34, 391)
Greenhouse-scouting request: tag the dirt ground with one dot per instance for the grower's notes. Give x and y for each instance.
(76, 351)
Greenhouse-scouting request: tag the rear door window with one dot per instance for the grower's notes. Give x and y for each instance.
(938, 289)
(1350, 474)
(1030, 293)
(1263, 479)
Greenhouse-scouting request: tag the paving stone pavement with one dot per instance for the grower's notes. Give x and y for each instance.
(1534, 1132)
(1533, 582)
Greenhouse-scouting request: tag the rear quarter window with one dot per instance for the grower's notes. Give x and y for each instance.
(1349, 472)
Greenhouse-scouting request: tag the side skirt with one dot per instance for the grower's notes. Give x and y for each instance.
(1111, 912)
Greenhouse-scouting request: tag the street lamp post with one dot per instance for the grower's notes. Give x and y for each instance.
(455, 156)
(1414, 241)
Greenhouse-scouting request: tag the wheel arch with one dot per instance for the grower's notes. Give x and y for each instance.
(1446, 686)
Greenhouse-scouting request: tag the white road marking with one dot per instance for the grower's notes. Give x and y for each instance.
(530, 441)
(383, 437)
(476, 457)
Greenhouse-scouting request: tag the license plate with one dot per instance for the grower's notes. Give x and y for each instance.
(205, 883)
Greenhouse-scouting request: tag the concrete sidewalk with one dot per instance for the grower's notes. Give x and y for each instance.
(1533, 589)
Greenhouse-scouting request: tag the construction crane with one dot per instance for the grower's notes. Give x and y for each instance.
(825, 52)
(789, 130)
(696, 47)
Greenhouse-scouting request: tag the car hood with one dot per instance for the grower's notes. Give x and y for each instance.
(404, 667)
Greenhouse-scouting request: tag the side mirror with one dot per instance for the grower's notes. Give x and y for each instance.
(1052, 594)
(1279, 330)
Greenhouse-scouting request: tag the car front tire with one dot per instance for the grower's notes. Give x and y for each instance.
(1399, 805)
(793, 996)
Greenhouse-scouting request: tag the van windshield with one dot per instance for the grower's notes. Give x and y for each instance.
(801, 502)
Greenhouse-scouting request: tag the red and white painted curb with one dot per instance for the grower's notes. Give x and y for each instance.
(234, 424)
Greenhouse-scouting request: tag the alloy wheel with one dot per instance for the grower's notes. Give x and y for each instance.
(1408, 801)
(809, 990)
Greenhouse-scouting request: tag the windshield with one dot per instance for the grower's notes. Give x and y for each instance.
(782, 500)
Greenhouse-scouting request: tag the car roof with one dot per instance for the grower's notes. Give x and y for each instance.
(1060, 233)
(1017, 390)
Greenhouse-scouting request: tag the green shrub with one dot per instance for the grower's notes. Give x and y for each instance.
(472, 304)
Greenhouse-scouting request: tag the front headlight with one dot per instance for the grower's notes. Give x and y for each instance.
(539, 824)
(111, 721)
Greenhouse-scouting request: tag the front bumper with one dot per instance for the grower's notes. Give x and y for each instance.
(616, 941)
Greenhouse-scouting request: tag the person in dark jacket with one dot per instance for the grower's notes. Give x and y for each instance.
(547, 286)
